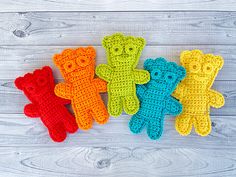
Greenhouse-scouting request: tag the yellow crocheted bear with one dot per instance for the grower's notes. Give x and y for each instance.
(195, 92)
(123, 53)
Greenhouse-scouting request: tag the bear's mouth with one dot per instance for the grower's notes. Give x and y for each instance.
(199, 78)
(78, 73)
(161, 86)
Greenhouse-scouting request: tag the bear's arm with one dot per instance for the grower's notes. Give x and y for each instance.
(179, 92)
(140, 90)
(172, 106)
(63, 90)
(104, 71)
(141, 76)
(216, 99)
(31, 110)
(100, 84)
(63, 101)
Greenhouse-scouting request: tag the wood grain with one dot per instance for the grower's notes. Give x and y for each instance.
(115, 5)
(88, 28)
(116, 162)
(28, 40)
(17, 60)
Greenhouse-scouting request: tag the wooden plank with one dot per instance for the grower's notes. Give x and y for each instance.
(12, 106)
(115, 5)
(17, 60)
(116, 162)
(18, 130)
(74, 28)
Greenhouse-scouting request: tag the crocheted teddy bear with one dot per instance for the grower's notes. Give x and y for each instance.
(39, 88)
(155, 97)
(195, 92)
(123, 53)
(77, 68)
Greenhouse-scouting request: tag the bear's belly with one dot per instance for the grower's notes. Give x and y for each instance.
(121, 88)
(152, 106)
(196, 104)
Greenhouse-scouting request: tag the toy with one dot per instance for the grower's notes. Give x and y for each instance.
(155, 97)
(195, 92)
(39, 89)
(77, 68)
(123, 53)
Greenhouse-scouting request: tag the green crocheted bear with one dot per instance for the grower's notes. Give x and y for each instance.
(123, 53)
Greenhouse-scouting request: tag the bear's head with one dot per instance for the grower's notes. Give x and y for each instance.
(201, 68)
(123, 50)
(76, 64)
(164, 75)
(35, 85)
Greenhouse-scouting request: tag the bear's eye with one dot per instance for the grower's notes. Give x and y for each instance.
(117, 49)
(130, 49)
(69, 66)
(208, 68)
(194, 66)
(41, 81)
(83, 61)
(30, 88)
(170, 77)
(156, 74)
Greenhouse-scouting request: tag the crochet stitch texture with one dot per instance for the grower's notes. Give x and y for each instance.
(195, 92)
(39, 89)
(155, 97)
(123, 53)
(77, 68)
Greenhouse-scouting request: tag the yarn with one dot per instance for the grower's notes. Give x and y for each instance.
(195, 92)
(155, 97)
(123, 53)
(77, 68)
(39, 89)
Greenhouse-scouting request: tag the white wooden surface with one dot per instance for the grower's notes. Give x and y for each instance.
(32, 31)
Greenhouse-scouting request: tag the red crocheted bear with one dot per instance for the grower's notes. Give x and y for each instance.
(39, 89)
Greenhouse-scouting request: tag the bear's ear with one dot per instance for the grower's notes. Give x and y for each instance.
(187, 55)
(105, 41)
(19, 82)
(57, 59)
(219, 61)
(182, 72)
(91, 52)
(184, 56)
(148, 64)
(161, 60)
(108, 41)
(48, 71)
(141, 42)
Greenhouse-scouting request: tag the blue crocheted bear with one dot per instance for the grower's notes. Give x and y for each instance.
(155, 97)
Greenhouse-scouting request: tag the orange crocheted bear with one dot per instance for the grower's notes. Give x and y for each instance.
(77, 67)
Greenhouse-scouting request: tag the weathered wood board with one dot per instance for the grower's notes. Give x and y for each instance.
(32, 31)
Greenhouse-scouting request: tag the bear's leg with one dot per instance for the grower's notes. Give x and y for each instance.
(114, 105)
(183, 124)
(202, 125)
(131, 104)
(136, 123)
(100, 113)
(70, 123)
(83, 119)
(57, 132)
(155, 128)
